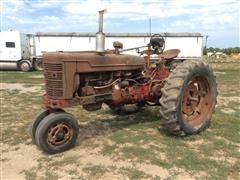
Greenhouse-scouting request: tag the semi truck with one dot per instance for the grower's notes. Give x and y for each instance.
(17, 52)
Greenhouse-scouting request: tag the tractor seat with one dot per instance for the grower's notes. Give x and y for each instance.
(169, 54)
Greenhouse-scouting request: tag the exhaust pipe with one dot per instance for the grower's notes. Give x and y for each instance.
(100, 36)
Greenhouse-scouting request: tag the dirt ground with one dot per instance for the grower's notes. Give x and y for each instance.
(119, 147)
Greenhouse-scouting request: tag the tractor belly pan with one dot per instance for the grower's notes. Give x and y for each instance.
(63, 103)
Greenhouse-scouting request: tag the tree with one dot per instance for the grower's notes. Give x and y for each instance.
(227, 51)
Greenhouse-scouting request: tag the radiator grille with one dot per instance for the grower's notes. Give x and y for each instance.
(52, 67)
(54, 92)
(53, 75)
(53, 79)
(54, 84)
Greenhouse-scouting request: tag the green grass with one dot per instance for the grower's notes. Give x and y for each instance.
(30, 174)
(64, 161)
(95, 171)
(33, 174)
(16, 113)
(133, 173)
(50, 175)
(135, 139)
(34, 77)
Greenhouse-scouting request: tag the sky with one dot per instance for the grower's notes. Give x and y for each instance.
(217, 19)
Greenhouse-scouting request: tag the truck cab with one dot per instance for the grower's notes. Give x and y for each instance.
(14, 51)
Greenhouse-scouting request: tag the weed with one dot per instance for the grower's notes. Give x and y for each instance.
(95, 171)
(64, 161)
(133, 173)
(30, 174)
(50, 175)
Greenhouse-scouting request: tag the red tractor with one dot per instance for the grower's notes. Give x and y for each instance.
(184, 90)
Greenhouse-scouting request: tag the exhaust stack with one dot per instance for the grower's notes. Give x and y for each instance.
(100, 36)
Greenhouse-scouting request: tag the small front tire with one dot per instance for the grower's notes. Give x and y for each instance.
(57, 132)
(36, 120)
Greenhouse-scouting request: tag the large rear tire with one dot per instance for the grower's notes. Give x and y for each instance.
(57, 132)
(188, 98)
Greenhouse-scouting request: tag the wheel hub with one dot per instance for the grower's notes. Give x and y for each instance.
(59, 134)
(196, 102)
(25, 66)
(191, 99)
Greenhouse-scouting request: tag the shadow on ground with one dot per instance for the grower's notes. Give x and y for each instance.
(100, 126)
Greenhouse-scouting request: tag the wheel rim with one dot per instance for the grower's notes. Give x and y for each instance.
(197, 101)
(25, 66)
(60, 134)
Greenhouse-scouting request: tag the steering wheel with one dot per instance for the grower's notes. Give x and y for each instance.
(157, 42)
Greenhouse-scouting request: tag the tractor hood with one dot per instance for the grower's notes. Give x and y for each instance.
(91, 61)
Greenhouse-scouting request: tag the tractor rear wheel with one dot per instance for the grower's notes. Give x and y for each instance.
(57, 132)
(188, 98)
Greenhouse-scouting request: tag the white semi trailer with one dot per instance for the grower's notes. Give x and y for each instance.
(23, 51)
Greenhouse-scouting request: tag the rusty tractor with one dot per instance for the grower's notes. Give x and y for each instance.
(184, 90)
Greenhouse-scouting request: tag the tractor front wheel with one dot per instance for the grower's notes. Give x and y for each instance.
(188, 98)
(37, 119)
(35, 122)
(57, 132)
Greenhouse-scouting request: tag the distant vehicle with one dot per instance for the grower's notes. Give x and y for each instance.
(15, 52)
(216, 55)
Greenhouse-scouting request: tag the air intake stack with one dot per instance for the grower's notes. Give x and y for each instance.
(100, 36)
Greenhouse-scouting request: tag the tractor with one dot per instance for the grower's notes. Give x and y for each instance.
(184, 90)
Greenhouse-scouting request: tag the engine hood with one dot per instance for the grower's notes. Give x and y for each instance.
(88, 61)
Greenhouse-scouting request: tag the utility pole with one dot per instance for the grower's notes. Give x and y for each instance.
(150, 26)
(206, 41)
